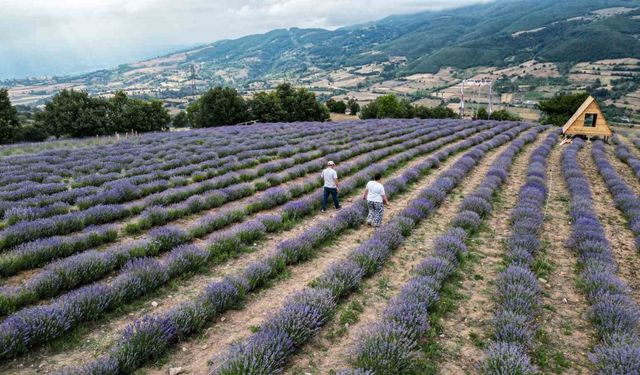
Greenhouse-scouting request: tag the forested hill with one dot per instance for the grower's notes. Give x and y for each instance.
(494, 34)
(500, 33)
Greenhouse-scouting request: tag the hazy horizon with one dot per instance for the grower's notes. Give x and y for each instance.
(39, 37)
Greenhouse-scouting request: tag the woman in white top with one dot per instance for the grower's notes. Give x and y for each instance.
(376, 199)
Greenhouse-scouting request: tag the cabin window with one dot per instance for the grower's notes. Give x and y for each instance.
(590, 120)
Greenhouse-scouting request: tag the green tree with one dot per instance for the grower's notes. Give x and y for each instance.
(218, 106)
(482, 114)
(354, 107)
(180, 120)
(74, 113)
(9, 122)
(265, 107)
(300, 104)
(387, 106)
(559, 109)
(145, 116)
(287, 104)
(336, 106)
(440, 111)
(504, 115)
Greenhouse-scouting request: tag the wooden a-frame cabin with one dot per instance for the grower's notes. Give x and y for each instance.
(588, 121)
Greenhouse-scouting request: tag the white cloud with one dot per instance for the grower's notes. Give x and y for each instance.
(62, 36)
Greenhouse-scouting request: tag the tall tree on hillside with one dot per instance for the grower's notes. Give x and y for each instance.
(9, 122)
(287, 104)
(266, 107)
(75, 114)
(300, 104)
(145, 116)
(336, 106)
(218, 106)
(354, 107)
(387, 106)
(559, 109)
(180, 120)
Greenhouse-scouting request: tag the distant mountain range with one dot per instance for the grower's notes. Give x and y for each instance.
(500, 34)
(495, 34)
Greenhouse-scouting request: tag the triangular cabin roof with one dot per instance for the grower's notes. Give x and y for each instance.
(576, 124)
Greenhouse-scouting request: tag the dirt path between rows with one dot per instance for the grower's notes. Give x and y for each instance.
(615, 225)
(469, 323)
(331, 348)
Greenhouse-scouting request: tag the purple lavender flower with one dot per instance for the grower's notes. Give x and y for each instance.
(505, 358)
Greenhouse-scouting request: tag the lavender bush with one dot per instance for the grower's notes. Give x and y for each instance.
(613, 312)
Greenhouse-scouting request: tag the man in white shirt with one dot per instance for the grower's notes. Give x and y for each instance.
(331, 187)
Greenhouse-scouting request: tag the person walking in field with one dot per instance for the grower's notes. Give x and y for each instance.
(376, 199)
(331, 187)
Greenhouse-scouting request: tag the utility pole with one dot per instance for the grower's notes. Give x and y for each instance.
(476, 83)
(490, 98)
(462, 100)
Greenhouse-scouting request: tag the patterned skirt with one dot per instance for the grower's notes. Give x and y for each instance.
(376, 210)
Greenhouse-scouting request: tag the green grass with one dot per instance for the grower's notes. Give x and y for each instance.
(347, 315)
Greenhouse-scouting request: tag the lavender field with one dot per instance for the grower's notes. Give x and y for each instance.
(206, 252)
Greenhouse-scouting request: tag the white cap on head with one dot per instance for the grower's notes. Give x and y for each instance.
(331, 163)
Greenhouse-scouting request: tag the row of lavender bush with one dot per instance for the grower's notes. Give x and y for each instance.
(92, 265)
(613, 311)
(136, 156)
(38, 252)
(156, 161)
(122, 190)
(181, 151)
(74, 221)
(390, 345)
(624, 154)
(208, 195)
(518, 291)
(192, 316)
(625, 199)
(305, 313)
(143, 275)
(245, 169)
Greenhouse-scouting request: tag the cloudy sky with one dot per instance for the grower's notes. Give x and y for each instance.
(40, 37)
